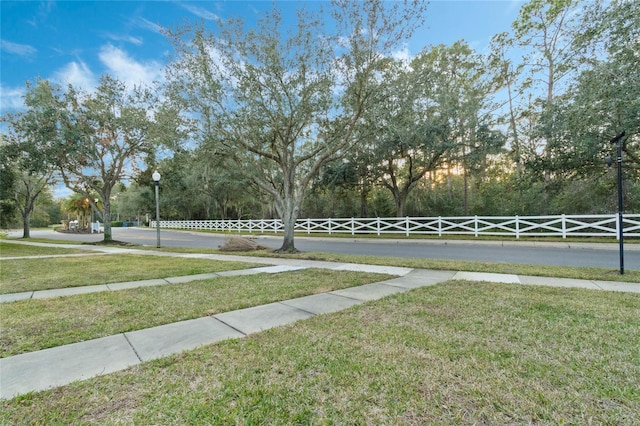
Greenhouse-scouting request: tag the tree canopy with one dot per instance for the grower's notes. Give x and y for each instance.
(327, 118)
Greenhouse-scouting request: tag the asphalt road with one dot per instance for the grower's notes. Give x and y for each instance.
(535, 253)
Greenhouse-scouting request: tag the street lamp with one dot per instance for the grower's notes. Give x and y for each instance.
(96, 228)
(618, 139)
(156, 179)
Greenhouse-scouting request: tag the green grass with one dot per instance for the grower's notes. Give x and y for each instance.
(16, 250)
(32, 325)
(42, 240)
(455, 353)
(43, 274)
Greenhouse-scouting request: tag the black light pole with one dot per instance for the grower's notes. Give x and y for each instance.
(156, 179)
(618, 139)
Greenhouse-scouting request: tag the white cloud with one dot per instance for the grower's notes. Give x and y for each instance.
(148, 25)
(78, 75)
(128, 70)
(11, 98)
(129, 39)
(201, 12)
(17, 49)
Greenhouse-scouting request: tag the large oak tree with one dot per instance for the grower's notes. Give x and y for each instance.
(282, 104)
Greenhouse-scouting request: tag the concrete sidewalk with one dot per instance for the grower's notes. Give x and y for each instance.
(61, 365)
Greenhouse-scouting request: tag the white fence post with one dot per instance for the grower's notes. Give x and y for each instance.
(517, 228)
(475, 225)
(406, 226)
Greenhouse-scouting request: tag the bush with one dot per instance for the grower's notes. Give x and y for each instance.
(116, 224)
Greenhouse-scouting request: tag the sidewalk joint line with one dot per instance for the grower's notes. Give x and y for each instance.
(227, 324)
(132, 347)
(284, 302)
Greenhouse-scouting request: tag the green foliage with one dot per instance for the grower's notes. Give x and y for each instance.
(280, 106)
(7, 181)
(321, 121)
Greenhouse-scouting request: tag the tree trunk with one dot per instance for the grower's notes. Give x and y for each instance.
(466, 191)
(26, 230)
(400, 199)
(288, 245)
(364, 207)
(106, 216)
(289, 214)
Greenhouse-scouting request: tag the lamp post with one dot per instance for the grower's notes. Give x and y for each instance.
(91, 211)
(97, 228)
(618, 140)
(156, 179)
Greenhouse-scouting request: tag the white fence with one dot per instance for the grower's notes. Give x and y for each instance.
(514, 226)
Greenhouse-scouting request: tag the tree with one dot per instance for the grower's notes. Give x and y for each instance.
(79, 206)
(433, 116)
(413, 134)
(506, 75)
(548, 29)
(602, 100)
(30, 147)
(7, 184)
(106, 136)
(283, 105)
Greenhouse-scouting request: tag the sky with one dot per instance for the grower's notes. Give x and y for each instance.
(78, 41)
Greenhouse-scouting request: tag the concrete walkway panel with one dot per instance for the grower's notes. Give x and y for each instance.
(69, 291)
(558, 282)
(322, 303)
(14, 297)
(391, 270)
(253, 320)
(278, 268)
(618, 286)
(61, 365)
(239, 272)
(136, 284)
(194, 277)
(156, 342)
(484, 276)
(420, 278)
(367, 292)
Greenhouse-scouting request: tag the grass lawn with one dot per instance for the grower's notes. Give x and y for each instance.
(43, 274)
(31, 325)
(454, 353)
(16, 250)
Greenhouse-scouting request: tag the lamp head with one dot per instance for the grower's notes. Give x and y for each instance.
(617, 137)
(155, 176)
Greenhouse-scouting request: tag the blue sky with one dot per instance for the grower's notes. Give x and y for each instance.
(77, 41)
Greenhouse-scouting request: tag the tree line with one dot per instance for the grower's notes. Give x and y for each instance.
(321, 120)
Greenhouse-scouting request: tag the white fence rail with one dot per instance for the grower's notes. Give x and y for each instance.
(515, 226)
